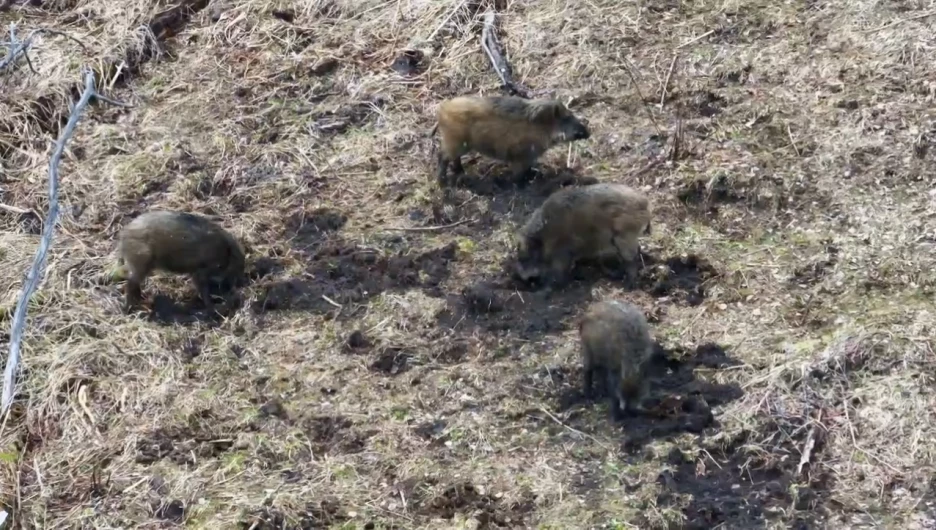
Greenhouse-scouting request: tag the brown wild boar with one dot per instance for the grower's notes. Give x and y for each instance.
(506, 128)
(181, 243)
(616, 339)
(600, 221)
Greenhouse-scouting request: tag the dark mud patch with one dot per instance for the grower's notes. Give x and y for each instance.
(166, 311)
(315, 515)
(469, 500)
(262, 267)
(431, 431)
(482, 298)
(455, 352)
(812, 273)
(334, 435)
(680, 277)
(706, 104)
(182, 445)
(749, 480)
(749, 201)
(488, 178)
(335, 121)
(309, 226)
(224, 186)
(340, 274)
(679, 402)
(391, 361)
(497, 308)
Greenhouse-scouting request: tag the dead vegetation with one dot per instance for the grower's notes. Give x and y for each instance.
(378, 370)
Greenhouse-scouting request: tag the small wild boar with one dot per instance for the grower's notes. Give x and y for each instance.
(181, 243)
(506, 128)
(600, 221)
(616, 339)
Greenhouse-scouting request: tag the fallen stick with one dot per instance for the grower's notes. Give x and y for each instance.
(35, 271)
(13, 209)
(429, 228)
(501, 66)
(639, 172)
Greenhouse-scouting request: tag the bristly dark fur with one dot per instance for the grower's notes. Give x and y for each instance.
(615, 338)
(602, 221)
(181, 243)
(536, 110)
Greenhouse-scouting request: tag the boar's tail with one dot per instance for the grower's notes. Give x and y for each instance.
(647, 230)
(434, 129)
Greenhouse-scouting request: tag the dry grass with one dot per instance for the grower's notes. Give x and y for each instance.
(804, 181)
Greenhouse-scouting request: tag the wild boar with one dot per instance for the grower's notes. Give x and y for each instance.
(507, 128)
(599, 221)
(181, 243)
(616, 339)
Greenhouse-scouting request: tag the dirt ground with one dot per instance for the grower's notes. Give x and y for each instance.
(380, 369)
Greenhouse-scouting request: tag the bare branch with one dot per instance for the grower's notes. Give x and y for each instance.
(491, 47)
(36, 270)
(13, 209)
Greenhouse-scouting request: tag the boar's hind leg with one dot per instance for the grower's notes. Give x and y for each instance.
(442, 170)
(588, 378)
(457, 167)
(203, 284)
(133, 294)
(618, 403)
(135, 275)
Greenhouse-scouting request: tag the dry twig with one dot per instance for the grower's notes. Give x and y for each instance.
(491, 47)
(900, 21)
(13, 209)
(430, 228)
(669, 75)
(35, 272)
